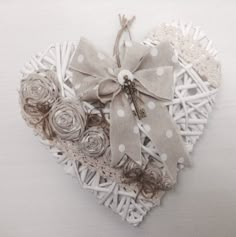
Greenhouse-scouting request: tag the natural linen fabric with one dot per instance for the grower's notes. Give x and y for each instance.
(95, 77)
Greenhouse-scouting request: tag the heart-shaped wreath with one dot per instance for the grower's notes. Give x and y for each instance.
(123, 125)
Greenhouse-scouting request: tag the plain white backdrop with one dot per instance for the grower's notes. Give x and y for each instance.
(38, 200)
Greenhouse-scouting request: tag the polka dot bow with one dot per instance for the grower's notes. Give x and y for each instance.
(136, 91)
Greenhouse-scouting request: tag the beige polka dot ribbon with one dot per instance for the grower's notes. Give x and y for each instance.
(148, 74)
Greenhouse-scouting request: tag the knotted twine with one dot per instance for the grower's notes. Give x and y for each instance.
(148, 179)
(125, 24)
(43, 111)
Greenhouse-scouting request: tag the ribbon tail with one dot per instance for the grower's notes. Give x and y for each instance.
(164, 135)
(124, 134)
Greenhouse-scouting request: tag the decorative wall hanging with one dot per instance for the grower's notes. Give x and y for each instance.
(123, 124)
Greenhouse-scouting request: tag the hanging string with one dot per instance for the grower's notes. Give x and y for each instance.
(125, 25)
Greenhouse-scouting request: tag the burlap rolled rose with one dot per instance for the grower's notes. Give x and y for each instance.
(37, 94)
(67, 119)
(94, 142)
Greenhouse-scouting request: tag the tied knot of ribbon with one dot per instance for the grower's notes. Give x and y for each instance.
(135, 87)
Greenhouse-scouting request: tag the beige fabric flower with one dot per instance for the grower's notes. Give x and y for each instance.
(94, 142)
(67, 119)
(37, 94)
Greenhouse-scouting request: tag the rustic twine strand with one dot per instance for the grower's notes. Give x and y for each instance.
(148, 180)
(125, 25)
(44, 110)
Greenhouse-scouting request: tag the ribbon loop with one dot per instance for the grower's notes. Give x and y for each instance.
(157, 81)
(106, 90)
(87, 60)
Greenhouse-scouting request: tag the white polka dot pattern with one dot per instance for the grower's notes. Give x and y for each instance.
(77, 86)
(169, 133)
(154, 52)
(160, 71)
(181, 160)
(80, 58)
(120, 112)
(151, 105)
(163, 156)
(121, 148)
(110, 71)
(147, 127)
(101, 56)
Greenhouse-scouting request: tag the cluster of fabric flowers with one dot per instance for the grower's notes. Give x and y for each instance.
(57, 117)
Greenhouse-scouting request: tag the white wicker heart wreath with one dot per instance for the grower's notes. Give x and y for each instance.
(77, 131)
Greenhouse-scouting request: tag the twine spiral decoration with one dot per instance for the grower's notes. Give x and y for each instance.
(67, 119)
(94, 142)
(38, 92)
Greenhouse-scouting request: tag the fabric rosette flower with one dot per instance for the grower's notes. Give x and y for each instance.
(94, 142)
(38, 92)
(67, 119)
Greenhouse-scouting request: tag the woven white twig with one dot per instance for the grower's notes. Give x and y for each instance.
(193, 101)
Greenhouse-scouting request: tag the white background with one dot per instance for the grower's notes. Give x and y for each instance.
(38, 200)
